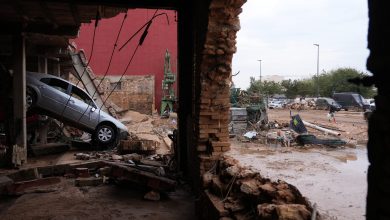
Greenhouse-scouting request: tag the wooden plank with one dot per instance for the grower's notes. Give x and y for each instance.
(140, 177)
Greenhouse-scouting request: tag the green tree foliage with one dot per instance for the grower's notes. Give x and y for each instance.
(337, 81)
(303, 88)
(265, 87)
(329, 83)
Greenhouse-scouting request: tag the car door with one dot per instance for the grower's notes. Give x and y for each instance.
(55, 93)
(81, 109)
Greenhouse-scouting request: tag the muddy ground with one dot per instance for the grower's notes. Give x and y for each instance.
(122, 202)
(333, 178)
(108, 201)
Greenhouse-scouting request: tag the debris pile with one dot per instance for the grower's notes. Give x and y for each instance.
(248, 112)
(284, 134)
(156, 173)
(280, 138)
(137, 146)
(235, 192)
(302, 105)
(133, 158)
(148, 133)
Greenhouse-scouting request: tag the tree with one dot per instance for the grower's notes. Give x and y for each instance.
(328, 83)
(337, 81)
(296, 88)
(265, 87)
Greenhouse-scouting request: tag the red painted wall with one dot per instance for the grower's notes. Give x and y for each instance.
(149, 59)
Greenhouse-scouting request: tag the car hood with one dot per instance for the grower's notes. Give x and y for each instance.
(106, 117)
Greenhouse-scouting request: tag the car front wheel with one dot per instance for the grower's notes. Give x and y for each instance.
(31, 98)
(105, 134)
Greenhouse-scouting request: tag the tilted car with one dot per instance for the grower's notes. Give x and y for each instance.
(68, 103)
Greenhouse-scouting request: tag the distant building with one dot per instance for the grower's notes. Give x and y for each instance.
(274, 78)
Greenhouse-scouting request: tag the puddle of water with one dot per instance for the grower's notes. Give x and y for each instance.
(359, 164)
(335, 179)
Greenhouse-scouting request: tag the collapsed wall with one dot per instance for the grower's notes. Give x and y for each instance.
(133, 92)
(229, 191)
(212, 128)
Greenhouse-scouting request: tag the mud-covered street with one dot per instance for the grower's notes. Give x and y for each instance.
(102, 202)
(333, 178)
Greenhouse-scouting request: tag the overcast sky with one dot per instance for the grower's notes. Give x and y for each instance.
(282, 32)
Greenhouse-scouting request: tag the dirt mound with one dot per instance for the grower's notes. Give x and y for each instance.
(131, 117)
(151, 127)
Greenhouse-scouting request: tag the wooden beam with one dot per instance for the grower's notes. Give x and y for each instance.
(48, 29)
(162, 4)
(48, 13)
(20, 10)
(19, 148)
(75, 13)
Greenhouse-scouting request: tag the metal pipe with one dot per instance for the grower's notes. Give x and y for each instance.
(260, 70)
(318, 65)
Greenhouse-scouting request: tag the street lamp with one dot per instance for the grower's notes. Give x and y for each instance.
(318, 64)
(260, 69)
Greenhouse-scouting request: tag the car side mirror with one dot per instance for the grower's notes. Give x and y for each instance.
(93, 109)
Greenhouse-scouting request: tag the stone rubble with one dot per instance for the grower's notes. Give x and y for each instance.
(236, 192)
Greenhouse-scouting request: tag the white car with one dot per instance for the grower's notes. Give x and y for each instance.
(275, 104)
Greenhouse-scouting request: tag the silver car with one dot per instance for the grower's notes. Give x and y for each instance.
(66, 102)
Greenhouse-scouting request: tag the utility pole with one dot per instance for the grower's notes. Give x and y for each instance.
(318, 65)
(260, 70)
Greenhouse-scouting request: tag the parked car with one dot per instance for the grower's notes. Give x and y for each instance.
(326, 103)
(350, 100)
(372, 104)
(68, 103)
(275, 104)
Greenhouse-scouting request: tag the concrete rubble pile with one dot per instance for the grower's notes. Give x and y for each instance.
(302, 105)
(235, 192)
(154, 173)
(148, 134)
(160, 165)
(153, 167)
(285, 134)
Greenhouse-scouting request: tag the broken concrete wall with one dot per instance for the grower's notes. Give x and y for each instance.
(212, 126)
(131, 93)
(134, 93)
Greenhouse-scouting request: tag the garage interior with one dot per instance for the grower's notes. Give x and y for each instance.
(35, 37)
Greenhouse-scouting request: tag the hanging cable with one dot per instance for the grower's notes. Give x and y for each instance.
(142, 39)
(90, 58)
(146, 24)
(109, 63)
(140, 42)
(128, 64)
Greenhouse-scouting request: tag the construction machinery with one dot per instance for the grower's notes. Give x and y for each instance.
(168, 91)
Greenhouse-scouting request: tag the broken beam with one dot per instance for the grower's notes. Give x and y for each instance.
(19, 187)
(166, 4)
(141, 177)
(48, 29)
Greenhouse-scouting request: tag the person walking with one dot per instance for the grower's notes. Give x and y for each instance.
(331, 114)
